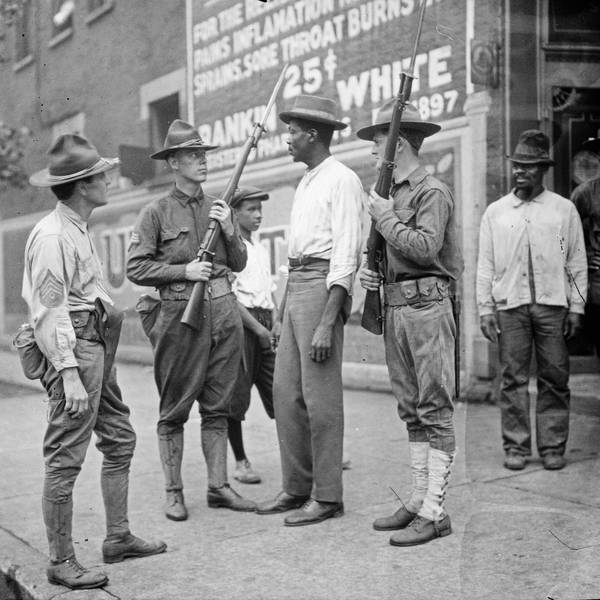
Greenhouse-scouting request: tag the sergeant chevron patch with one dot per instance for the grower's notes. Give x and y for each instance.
(51, 290)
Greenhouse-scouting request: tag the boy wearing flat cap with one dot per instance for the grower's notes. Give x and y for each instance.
(423, 260)
(253, 288)
(325, 241)
(191, 366)
(76, 328)
(531, 290)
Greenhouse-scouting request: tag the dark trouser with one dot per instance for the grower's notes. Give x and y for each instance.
(257, 369)
(522, 327)
(419, 350)
(309, 410)
(591, 325)
(192, 366)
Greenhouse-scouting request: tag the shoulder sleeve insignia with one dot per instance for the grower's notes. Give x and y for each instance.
(52, 292)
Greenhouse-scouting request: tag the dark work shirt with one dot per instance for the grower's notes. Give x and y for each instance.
(421, 231)
(167, 236)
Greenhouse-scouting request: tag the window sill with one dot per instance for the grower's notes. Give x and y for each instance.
(60, 37)
(99, 12)
(22, 63)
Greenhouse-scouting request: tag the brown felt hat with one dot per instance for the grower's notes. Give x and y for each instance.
(313, 108)
(532, 148)
(181, 136)
(72, 157)
(591, 145)
(411, 119)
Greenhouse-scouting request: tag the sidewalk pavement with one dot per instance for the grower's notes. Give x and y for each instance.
(518, 535)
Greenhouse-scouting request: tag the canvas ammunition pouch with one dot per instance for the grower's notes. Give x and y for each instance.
(182, 290)
(416, 292)
(33, 362)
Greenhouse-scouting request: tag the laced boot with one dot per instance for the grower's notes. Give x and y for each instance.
(170, 448)
(120, 543)
(63, 568)
(419, 454)
(431, 521)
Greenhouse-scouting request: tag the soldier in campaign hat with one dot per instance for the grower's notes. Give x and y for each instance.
(423, 261)
(76, 329)
(325, 240)
(531, 291)
(190, 366)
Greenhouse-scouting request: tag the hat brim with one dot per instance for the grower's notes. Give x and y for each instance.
(43, 178)
(591, 146)
(367, 133)
(531, 161)
(288, 115)
(164, 153)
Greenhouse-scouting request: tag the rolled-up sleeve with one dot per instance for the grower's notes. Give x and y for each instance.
(49, 271)
(142, 266)
(347, 208)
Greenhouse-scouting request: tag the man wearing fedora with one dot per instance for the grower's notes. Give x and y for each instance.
(253, 288)
(325, 239)
(423, 261)
(531, 289)
(191, 366)
(586, 197)
(76, 328)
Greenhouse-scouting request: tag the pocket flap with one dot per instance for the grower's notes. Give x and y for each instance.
(171, 234)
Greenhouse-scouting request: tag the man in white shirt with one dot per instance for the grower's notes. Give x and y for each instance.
(531, 290)
(324, 251)
(253, 288)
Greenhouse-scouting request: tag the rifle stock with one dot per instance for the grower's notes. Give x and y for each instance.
(372, 317)
(194, 314)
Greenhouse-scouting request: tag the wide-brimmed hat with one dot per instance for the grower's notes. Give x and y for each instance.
(591, 145)
(72, 157)
(181, 136)
(248, 192)
(532, 148)
(411, 119)
(313, 108)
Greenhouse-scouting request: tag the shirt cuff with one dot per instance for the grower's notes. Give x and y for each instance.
(346, 281)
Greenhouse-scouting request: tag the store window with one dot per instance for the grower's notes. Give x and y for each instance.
(62, 20)
(162, 113)
(23, 32)
(573, 22)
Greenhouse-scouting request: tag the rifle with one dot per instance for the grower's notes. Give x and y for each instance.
(456, 308)
(194, 314)
(372, 319)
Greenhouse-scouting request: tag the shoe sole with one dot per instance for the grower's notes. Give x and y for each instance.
(276, 511)
(514, 467)
(91, 586)
(248, 481)
(394, 528)
(173, 518)
(335, 515)
(126, 555)
(238, 509)
(420, 542)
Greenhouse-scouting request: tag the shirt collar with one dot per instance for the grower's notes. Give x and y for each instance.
(68, 213)
(312, 172)
(183, 198)
(516, 201)
(414, 177)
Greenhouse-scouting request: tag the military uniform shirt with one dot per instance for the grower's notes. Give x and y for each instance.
(167, 236)
(62, 274)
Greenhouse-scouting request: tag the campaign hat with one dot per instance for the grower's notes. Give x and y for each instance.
(532, 148)
(248, 192)
(71, 157)
(315, 109)
(181, 136)
(411, 119)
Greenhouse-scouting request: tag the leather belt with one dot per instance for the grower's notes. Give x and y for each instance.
(182, 290)
(306, 260)
(416, 291)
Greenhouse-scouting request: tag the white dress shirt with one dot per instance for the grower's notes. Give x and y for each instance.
(326, 220)
(253, 287)
(548, 229)
(62, 274)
